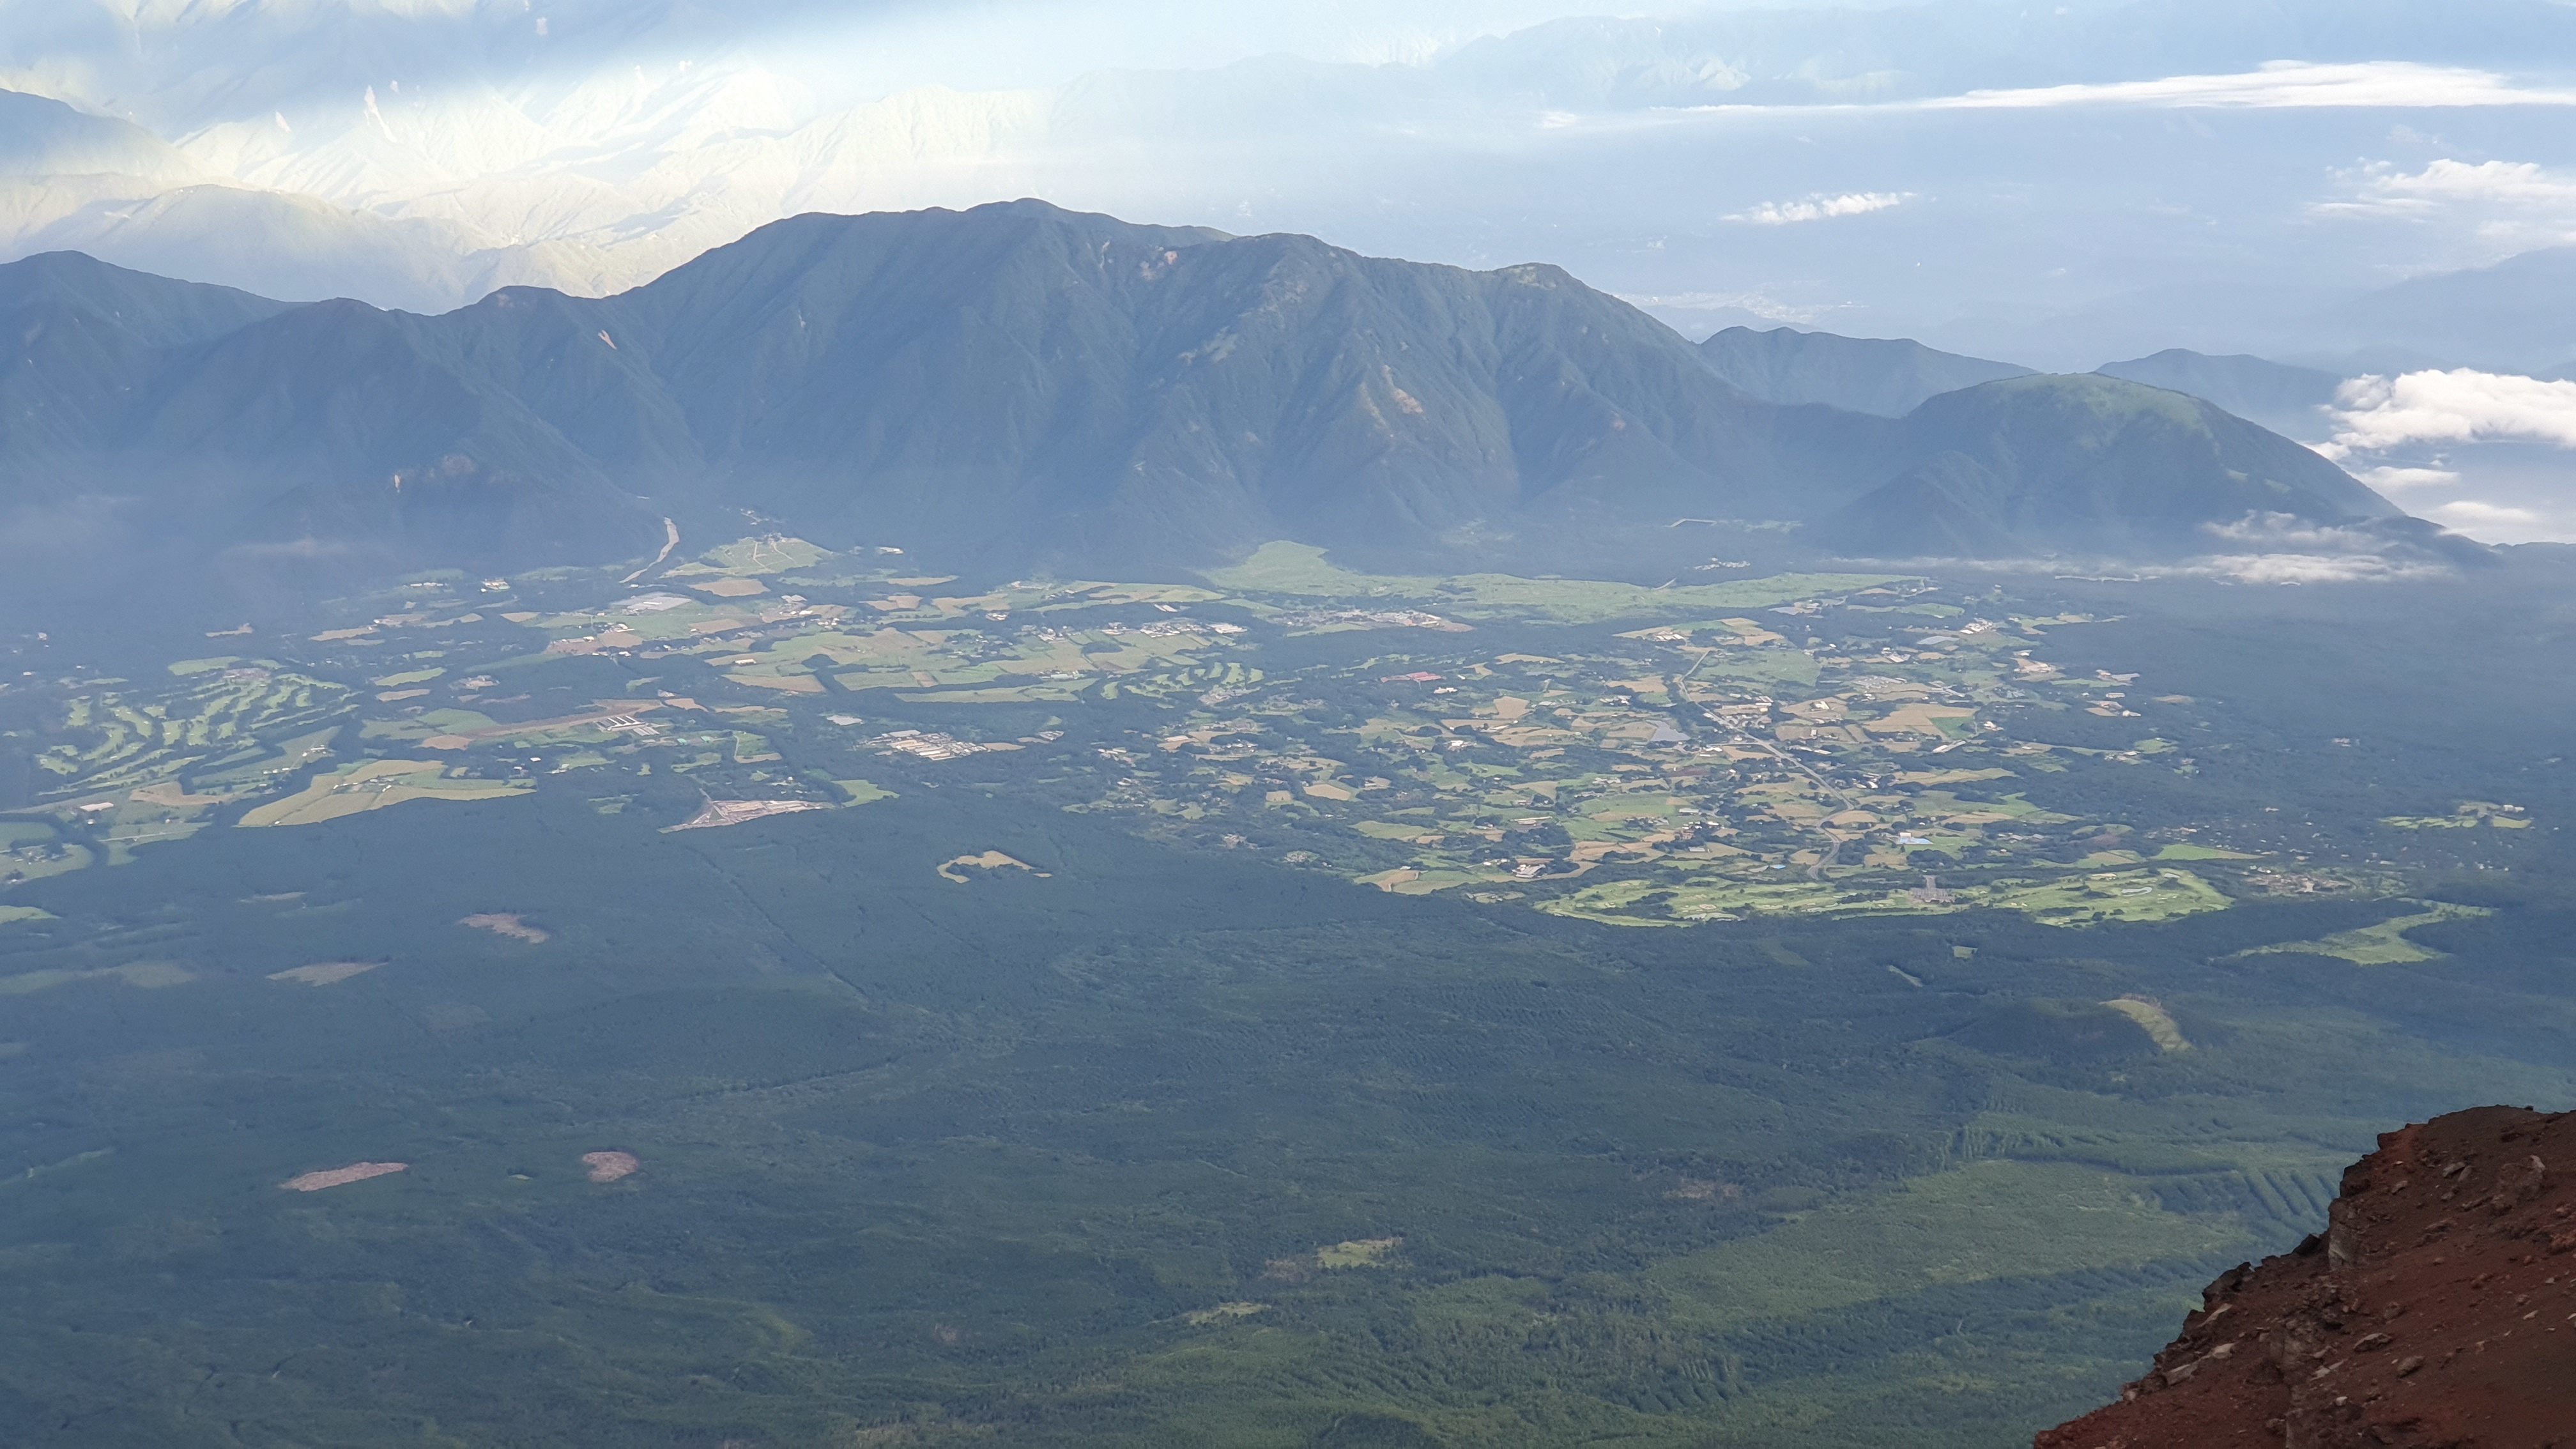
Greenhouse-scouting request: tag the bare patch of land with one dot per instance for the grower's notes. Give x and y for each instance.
(610, 1166)
(343, 1176)
(324, 973)
(515, 927)
(989, 860)
(720, 813)
(2154, 1020)
(610, 714)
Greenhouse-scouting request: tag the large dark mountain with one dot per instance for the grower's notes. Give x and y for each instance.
(1886, 376)
(1019, 375)
(1025, 384)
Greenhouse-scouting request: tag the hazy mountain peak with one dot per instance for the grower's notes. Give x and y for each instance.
(155, 311)
(2272, 393)
(43, 137)
(1888, 377)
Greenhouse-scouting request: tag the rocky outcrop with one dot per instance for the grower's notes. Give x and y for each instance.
(2437, 1311)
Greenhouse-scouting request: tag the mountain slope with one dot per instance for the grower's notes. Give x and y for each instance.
(2431, 1311)
(152, 424)
(2089, 464)
(152, 311)
(1864, 375)
(89, 341)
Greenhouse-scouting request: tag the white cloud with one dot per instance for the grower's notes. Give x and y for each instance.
(2521, 183)
(2459, 406)
(2386, 479)
(2311, 568)
(2286, 549)
(2287, 567)
(2503, 522)
(2278, 85)
(2281, 84)
(2289, 531)
(2469, 512)
(1821, 207)
(2513, 205)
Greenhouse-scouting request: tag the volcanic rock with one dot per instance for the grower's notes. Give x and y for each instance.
(2437, 1311)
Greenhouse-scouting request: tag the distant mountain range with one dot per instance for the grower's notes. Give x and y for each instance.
(1024, 384)
(1866, 375)
(2518, 315)
(2279, 396)
(1893, 377)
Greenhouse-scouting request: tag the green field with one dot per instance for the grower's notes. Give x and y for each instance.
(2384, 944)
(1300, 569)
(2091, 899)
(374, 785)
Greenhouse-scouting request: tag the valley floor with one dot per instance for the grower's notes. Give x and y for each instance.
(802, 998)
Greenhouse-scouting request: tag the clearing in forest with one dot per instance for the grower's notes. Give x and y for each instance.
(989, 860)
(343, 1176)
(324, 973)
(373, 785)
(610, 1166)
(515, 927)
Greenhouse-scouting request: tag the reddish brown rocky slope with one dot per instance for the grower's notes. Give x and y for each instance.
(2438, 1311)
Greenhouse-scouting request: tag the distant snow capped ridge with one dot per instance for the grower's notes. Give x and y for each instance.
(1019, 384)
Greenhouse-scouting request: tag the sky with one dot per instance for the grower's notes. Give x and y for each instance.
(2056, 184)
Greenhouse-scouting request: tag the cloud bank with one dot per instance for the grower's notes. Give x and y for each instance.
(2376, 414)
(2278, 85)
(2509, 205)
(2388, 478)
(2470, 514)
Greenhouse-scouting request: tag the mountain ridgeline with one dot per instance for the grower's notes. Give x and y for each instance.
(1019, 383)
(1886, 376)
(2281, 397)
